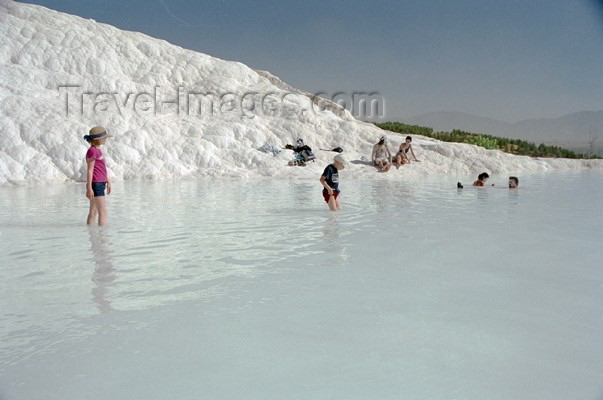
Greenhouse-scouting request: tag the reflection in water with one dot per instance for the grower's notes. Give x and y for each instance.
(513, 196)
(332, 239)
(104, 270)
(331, 229)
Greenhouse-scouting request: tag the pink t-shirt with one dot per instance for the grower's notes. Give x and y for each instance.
(100, 170)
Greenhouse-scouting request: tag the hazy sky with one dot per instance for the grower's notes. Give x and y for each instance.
(508, 59)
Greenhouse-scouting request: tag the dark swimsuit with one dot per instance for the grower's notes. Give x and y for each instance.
(403, 150)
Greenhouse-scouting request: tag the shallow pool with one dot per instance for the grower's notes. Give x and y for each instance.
(252, 289)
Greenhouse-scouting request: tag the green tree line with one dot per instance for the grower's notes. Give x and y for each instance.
(513, 146)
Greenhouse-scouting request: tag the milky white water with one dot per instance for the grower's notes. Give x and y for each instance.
(252, 289)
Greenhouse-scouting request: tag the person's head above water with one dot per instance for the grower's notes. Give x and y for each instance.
(513, 182)
(483, 176)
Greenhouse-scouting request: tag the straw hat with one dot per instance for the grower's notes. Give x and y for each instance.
(98, 132)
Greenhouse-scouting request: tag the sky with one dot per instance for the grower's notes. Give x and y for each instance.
(508, 60)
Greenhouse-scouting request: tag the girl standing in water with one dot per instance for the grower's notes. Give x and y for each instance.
(97, 179)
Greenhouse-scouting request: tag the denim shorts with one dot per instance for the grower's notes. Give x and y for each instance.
(99, 188)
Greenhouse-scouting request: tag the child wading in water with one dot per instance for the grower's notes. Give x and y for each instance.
(97, 179)
(330, 181)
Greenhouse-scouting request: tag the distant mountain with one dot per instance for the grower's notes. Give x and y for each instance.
(572, 130)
